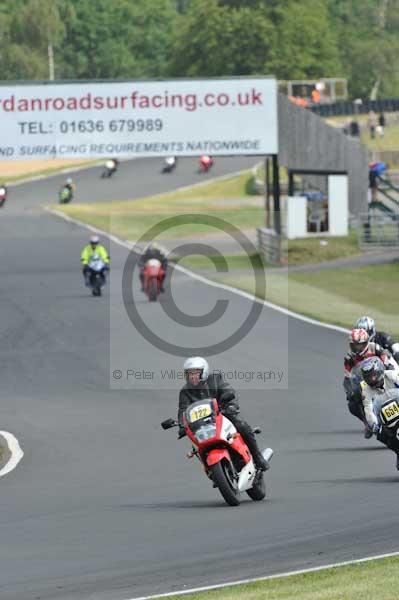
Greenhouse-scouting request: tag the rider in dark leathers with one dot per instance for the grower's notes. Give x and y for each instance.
(383, 339)
(212, 385)
(152, 251)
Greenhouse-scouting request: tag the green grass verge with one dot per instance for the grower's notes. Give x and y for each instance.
(310, 250)
(353, 582)
(390, 141)
(226, 199)
(335, 295)
(234, 261)
(51, 171)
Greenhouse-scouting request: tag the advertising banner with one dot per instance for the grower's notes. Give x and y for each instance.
(187, 117)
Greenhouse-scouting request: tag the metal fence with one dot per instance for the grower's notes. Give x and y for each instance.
(307, 142)
(377, 231)
(350, 108)
(270, 245)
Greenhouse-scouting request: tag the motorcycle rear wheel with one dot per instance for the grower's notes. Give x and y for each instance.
(223, 477)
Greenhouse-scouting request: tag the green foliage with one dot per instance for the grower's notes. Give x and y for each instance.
(357, 39)
(306, 44)
(119, 38)
(368, 34)
(217, 40)
(27, 28)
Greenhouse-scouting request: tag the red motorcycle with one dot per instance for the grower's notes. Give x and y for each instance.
(206, 163)
(222, 451)
(153, 275)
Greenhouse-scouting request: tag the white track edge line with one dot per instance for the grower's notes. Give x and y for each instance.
(203, 279)
(15, 450)
(219, 586)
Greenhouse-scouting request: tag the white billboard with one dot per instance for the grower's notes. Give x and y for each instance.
(184, 117)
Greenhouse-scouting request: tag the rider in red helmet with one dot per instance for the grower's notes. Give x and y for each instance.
(360, 348)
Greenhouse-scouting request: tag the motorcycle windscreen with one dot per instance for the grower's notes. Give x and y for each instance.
(200, 414)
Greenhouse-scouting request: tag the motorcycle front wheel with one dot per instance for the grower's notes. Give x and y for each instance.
(258, 490)
(223, 477)
(153, 289)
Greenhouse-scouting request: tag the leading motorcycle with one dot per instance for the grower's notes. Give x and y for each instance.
(224, 455)
(3, 195)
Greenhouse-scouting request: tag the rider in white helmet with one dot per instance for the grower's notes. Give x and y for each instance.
(202, 384)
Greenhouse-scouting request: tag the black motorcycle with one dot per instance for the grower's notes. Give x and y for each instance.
(110, 167)
(169, 164)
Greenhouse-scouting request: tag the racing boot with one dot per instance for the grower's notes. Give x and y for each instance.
(368, 433)
(260, 462)
(397, 461)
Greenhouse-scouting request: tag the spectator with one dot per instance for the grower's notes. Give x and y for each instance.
(315, 95)
(372, 123)
(354, 129)
(381, 125)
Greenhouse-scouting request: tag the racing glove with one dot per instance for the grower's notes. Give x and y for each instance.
(376, 428)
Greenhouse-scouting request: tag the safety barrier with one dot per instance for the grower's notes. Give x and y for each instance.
(270, 245)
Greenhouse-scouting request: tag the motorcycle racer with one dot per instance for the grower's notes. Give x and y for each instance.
(360, 349)
(202, 384)
(383, 339)
(94, 247)
(377, 381)
(152, 251)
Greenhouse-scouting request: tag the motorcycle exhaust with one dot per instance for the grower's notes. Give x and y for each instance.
(267, 454)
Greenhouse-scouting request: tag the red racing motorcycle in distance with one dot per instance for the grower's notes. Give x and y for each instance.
(153, 274)
(205, 163)
(222, 451)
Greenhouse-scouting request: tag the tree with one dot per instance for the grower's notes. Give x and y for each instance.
(368, 38)
(119, 38)
(216, 40)
(306, 43)
(30, 29)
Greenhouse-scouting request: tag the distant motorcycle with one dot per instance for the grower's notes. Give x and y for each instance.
(222, 452)
(110, 167)
(65, 195)
(96, 277)
(205, 163)
(3, 195)
(153, 274)
(169, 164)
